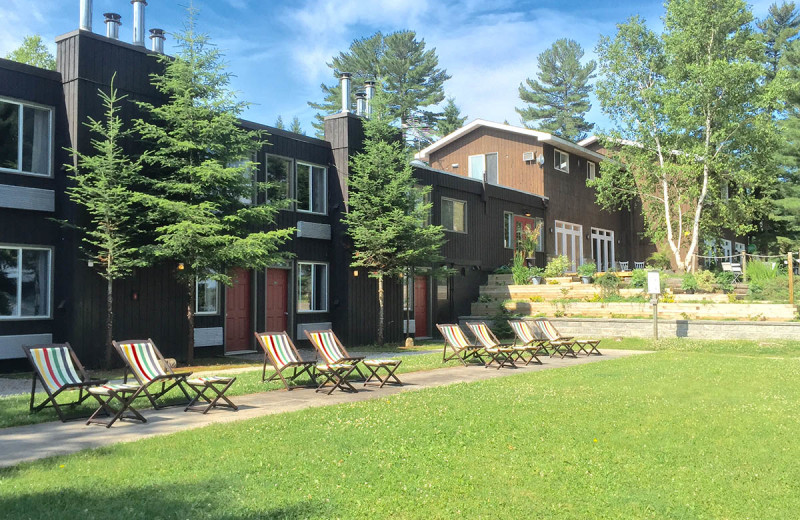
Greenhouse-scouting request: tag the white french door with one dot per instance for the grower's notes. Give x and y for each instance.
(569, 243)
(603, 249)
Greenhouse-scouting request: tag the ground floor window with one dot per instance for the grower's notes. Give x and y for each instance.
(24, 282)
(312, 287)
(207, 297)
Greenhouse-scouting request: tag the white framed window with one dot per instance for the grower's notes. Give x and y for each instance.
(206, 300)
(312, 188)
(454, 215)
(279, 170)
(727, 249)
(26, 138)
(483, 167)
(739, 248)
(603, 252)
(508, 230)
(312, 287)
(590, 170)
(569, 242)
(25, 282)
(561, 161)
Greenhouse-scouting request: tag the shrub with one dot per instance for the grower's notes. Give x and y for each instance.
(760, 272)
(689, 282)
(705, 280)
(660, 260)
(725, 280)
(537, 271)
(500, 325)
(503, 269)
(639, 278)
(536, 299)
(557, 267)
(587, 269)
(609, 285)
(519, 271)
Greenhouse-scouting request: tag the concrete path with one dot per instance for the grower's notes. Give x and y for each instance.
(26, 443)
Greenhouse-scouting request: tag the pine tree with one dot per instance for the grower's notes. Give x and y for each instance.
(296, 128)
(207, 225)
(33, 52)
(279, 123)
(778, 30)
(559, 100)
(104, 185)
(386, 217)
(407, 73)
(451, 119)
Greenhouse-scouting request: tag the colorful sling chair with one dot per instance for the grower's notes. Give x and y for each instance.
(281, 353)
(332, 350)
(502, 354)
(525, 337)
(553, 335)
(144, 360)
(459, 345)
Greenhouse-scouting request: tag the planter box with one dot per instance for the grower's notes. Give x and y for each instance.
(736, 311)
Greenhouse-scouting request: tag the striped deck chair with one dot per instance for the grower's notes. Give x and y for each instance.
(57, 368)
(332, 350)
(459, 345)
(502, 354)
(582, 344)
(145, 361)
(528, 338)
(561, 345)
(282, 354)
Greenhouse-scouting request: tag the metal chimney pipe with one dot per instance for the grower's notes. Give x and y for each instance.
(345, 78)
(157, 40)
(369, 88)
(86, 15)
(138, 22)
(113, 21)
(361, 100)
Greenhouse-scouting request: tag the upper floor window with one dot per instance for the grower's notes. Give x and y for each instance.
(312, 188)
(561, 161)
(25, 138)
(278, 175)
(24, 282)
(207, 297)
(590, 170)
(454, 215)
(312, 287)
(483, 167)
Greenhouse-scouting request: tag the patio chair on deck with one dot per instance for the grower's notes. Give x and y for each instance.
(57, 368)
(526, 337)
(638, 265)
(150, 369)
(459, 345)
(623, 266)
(331, 349)
(553, 336)
(282, 354)
(734, 268)
(501, 353)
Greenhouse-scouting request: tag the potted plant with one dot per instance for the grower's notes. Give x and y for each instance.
(528, 242)
(537, 275)
(586, 271)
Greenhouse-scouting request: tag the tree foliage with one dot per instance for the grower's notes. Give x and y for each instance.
(387, 214)
(201, 183)
(450, 120)
(33, 52)
(296, 126)
(279, 123)
(694, 123)
(406, 72)
(559, 99)
(104, 185)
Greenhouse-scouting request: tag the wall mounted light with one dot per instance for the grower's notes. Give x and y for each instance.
(527, 213)
(551, 230)
(355, 273)
(454, 165)
(180, 266)
(90, 263)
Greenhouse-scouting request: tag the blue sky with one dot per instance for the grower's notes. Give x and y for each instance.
(278, 49)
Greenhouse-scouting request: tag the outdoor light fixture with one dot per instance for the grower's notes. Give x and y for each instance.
(180, 266)
(527, 213)
(355, 273)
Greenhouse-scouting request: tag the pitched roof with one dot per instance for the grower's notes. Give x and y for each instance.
(544, 137)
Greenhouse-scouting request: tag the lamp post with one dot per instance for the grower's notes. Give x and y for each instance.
(654, 289)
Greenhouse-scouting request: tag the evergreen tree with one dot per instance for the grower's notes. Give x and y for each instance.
(104, 185)
(296, 128)
(202, 195)
(387, 218)
(408, 74)
(33, 52)
(279, 123)
(451, 119)
(559, 100)
(778, 29)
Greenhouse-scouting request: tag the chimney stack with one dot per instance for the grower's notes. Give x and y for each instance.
(361, 99)
(369, 88)
(157, 38)
(113, 21)
(138, 22)
(345, 78)
(86, 15)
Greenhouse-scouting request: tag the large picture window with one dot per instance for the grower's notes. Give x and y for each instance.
(312, 287)
(312, 189)
(25, 138)
(207, 297)
(454, 215)
(278, 175)
(24, 282)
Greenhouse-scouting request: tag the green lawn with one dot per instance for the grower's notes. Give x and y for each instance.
(696, 430)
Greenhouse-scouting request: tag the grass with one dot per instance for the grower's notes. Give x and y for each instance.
(14, 410)
(696, 430)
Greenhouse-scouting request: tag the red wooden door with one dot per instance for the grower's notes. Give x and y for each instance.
(420, 306)
(237, 313)
(277, 299)
(520, 223)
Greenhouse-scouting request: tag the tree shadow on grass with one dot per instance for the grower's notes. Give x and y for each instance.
(149, 503)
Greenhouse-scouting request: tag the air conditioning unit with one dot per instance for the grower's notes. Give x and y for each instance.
(528, 156)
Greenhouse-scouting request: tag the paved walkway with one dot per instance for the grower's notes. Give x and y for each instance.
(26, 443)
